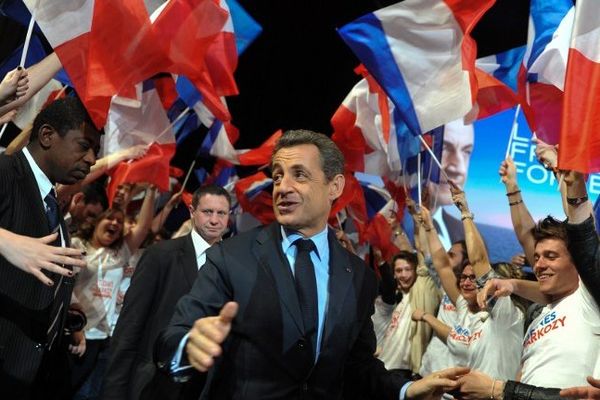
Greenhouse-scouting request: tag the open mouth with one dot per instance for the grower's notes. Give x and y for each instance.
(286, 206)
(544, 276)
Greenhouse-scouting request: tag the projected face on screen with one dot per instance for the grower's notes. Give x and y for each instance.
(458, 146)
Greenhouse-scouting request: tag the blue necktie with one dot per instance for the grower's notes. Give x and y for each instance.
(52, 214)
(306, 288)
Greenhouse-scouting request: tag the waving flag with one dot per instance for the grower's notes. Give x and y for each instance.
(497, 82)
(369, 130)
(145, 123)
(254, 194)
(579, 141)
(104, 46)
(220, 140)
(541, 78)
(245, 27)
(191, 30)
(421, 53)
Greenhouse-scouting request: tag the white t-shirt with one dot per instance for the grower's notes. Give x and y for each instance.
(561, 346)
(395, 344)
(125, 283)
(488, 342)
(97, 286)
(437, 356)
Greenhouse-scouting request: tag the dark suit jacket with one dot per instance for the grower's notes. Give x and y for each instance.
(265, 356)
(25, 302)
(164, 274)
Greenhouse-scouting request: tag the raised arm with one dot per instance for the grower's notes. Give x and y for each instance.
(440, 258)
(584, 244)
(39, 75)
(476, 251)
(139, 232)
(521, 219)
(161, 217)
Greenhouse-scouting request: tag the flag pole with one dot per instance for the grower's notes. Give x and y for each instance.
(171, 124)
(187, 176)
(23, 57)
(27, 38)
(513, 130)
(419, 178)
(434, 157)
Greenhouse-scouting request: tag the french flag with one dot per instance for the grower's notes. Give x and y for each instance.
(222, 136)
(422, 54)
(497, 82)
(254, 196)
(105, 47)
(144, 122)
(365, 132)
(579, 141)
(542, 75)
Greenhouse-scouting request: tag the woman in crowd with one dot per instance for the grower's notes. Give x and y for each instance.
(486, 341)
(108, 251)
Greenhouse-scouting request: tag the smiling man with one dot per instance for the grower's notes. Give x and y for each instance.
(284, 311)
(62, 149)
(561, 345)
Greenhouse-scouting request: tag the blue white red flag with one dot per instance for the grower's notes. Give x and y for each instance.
(579, 141)
(422, 54)
(542, 74)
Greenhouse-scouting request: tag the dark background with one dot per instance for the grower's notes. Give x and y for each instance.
(298, 71)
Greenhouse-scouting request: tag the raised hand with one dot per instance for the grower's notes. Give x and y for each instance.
(494, 288)
(508, 172)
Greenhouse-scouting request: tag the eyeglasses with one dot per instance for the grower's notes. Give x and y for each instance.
(209, 213)
(464, 277)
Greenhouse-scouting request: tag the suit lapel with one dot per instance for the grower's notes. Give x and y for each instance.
(187, 258)
(270, 256)
(340, 279)
(39, 210)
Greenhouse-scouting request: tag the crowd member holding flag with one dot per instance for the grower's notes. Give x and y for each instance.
(62, 149)
(480, 340)
(569, 314)
(168, 270)
(255, 316)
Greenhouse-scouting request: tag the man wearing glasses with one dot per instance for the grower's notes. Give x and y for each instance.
(165, 273)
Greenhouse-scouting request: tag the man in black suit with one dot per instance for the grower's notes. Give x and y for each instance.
(62, 148)
(164, 274)
(284, 311)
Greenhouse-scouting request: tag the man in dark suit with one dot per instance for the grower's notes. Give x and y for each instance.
(62, 149)
(164, 274)
(284, 311)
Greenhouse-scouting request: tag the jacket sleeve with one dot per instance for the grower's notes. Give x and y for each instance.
(584, 248)
(130, 329)
(208, 295)
(522, 391)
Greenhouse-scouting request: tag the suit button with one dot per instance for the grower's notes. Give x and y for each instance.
(160, 365)
(305, 387)
(301, 344)
(39, 347)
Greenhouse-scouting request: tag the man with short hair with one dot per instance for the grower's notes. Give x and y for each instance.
(62, 148)
(164, 274)
(570, 316)
(85, 206)
(284, 311)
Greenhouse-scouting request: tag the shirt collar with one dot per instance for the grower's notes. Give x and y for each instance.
(44, 184)
(200, 245)
(289, 237)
